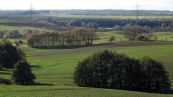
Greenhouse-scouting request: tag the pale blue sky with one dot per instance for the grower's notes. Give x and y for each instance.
(87, 4)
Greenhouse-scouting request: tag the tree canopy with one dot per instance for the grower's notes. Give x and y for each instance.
(22, 73)
(9, 54)
(118, 71)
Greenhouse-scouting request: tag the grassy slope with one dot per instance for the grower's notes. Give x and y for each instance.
(22, 29)
(166, 36)
(55, 67)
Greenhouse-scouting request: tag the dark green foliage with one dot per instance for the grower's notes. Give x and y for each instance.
(95, 69)
(125, 73)
(9, 54)
(156, 76)
(22, 73)
(5, 81)
(112, 70)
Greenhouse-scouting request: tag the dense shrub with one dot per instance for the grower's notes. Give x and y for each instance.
(9, 54)
(112, 70)
(22, 73)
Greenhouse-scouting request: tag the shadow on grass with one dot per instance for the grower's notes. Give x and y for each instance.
(141, 91)
(36, 66)
(151, 91)
(41, 84)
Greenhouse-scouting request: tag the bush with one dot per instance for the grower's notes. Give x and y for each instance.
(22, 74)
(112, 70)
(5, 81)
(9, 54)
(143, 38)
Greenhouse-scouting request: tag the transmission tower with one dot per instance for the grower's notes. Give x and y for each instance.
(31, 10)
(137, 12)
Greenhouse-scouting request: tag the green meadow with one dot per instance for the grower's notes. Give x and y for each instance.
(54, 71)
(22, 29)
(69, 16)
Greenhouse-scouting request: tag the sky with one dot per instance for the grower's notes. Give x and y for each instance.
(86, 4)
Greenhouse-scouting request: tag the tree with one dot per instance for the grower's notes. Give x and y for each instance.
(22, 73)
(112, 38)
(9, 54)
(112, 70)
(156, 77)
(93, 71)
(131, 32)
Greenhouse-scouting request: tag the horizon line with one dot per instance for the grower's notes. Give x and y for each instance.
(82, 9)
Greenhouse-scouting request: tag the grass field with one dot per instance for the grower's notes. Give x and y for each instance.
(54, 70)
(68, 16)
(22, 29)
(104, 36)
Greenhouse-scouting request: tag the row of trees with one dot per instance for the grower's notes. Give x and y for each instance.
(155, 25)
(112, 70)
(68, 39)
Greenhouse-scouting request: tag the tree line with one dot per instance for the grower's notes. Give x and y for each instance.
(67, 39)
(155, 25)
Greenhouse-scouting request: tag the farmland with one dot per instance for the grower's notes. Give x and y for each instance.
(68, 16)
(54, 71)
(54, 67)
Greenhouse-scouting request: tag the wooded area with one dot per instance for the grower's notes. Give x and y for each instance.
(67, 39)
